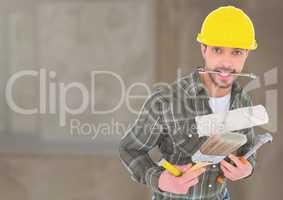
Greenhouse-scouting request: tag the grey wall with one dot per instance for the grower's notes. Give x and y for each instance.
(73, 39)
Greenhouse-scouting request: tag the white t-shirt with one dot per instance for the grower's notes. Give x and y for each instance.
(220, 104)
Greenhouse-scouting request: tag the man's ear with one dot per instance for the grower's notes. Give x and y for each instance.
(203, 49)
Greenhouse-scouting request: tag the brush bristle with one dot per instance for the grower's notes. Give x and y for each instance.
(223, 144)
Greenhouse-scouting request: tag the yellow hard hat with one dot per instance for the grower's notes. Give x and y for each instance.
(228, 26)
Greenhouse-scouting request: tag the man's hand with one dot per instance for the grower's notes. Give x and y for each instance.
(179, 185)
(233, 173)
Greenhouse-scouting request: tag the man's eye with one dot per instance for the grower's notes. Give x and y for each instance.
(237, 52)
(217, 50)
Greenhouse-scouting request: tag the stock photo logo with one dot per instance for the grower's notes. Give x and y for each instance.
(51, 93)
(52, 96)
(268, 84)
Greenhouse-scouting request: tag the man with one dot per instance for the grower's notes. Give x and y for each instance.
(167, 120)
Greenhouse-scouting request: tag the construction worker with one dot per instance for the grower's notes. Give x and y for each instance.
(167, 118)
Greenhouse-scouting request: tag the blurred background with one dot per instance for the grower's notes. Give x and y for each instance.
(58, 44)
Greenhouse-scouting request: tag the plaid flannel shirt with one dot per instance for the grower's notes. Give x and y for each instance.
(167, 121)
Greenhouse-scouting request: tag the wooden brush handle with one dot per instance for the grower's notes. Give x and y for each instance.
(198, 166)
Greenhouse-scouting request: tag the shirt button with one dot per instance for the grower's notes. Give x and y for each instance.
(190, 135)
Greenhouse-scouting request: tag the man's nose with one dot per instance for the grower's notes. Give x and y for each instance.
(226, 62)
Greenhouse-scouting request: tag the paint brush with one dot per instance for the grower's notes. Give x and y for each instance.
(216, 148)
(212, 151)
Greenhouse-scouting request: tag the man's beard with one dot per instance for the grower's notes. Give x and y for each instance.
(219, 85)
